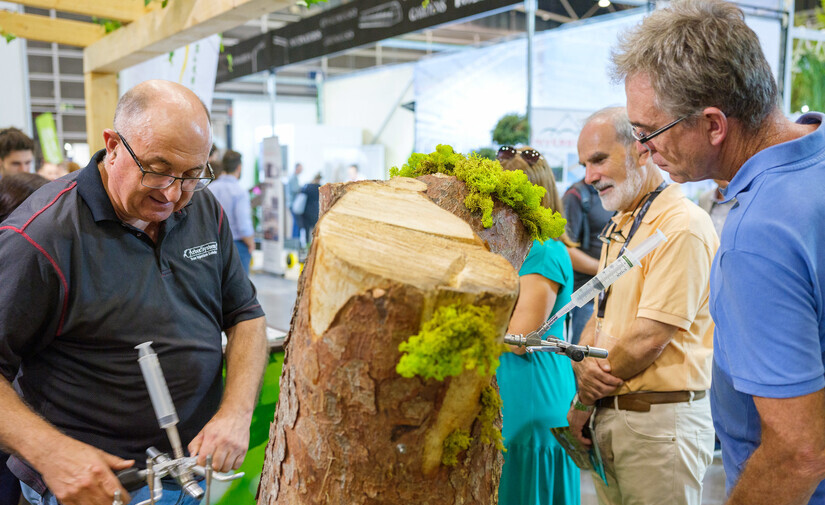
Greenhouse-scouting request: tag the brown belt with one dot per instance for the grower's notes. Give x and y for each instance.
(641, 402)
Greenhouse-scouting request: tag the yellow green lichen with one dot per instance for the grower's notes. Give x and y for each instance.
(457, 338)
(457, 441)
(486, 179)
(490, 407)
(460, 440)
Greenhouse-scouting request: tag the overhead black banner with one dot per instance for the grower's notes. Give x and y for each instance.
(355, 24)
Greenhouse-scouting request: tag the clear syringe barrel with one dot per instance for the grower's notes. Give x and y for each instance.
(156, 384)
(613, 271)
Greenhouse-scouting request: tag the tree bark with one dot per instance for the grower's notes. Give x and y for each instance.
(348, 429)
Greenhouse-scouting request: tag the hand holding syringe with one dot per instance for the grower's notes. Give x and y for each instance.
(581, 296)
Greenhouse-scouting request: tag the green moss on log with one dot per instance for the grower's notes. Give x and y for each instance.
(486, 179)
(457, 338)
(457, 441)
(490, 407)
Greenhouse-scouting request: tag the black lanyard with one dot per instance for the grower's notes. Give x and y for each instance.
(637, 221)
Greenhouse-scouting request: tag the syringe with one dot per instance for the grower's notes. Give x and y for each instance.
(159, 394)
(165, 410)
(605, 278)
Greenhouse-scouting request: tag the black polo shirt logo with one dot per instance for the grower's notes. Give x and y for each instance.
(201, 251)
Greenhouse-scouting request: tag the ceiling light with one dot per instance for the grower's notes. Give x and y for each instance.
(604, 3)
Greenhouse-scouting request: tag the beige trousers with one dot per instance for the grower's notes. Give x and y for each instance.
(656, 457)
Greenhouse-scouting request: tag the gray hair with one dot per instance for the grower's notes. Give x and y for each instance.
(621, 124)
(699, 53)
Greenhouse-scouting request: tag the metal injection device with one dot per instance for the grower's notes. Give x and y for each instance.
(158, 464)
(584, 294)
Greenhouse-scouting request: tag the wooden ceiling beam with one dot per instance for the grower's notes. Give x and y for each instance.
(46, 29)
(124, 11)
(164, 30)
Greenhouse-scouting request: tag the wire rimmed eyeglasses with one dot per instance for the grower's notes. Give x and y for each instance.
(644, 138)
(157, 180)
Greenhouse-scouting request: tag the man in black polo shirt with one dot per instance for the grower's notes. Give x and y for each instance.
(125, 251)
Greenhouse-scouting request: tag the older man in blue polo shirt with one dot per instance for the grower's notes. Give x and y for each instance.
(125, 251)
(702, 99)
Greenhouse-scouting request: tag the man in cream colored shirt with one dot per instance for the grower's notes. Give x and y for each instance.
(651, 413)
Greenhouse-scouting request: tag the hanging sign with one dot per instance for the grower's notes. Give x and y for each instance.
(351, 25)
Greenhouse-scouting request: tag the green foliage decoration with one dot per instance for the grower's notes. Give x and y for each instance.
(442, 160)
(486, 152)
(457, 338)
(490, 407)
(486, 179)
(511, 130)
(808, 78)
(8, 36)
(457, 441)
(109, 25)
(808, 63)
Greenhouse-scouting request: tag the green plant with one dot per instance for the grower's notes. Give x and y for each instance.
(109, 25)
(808, 65)
(456, 338)
(511, 130)
(485, 152)
(808, 77)
(8, 36)
(485, 179)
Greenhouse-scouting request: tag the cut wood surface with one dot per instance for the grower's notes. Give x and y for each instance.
(348, 429)
(506, 237)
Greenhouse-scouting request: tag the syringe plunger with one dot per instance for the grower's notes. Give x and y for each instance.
(613, 271)
(647, 245)
(156, 384)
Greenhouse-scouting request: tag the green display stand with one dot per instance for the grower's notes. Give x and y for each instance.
(242, 491)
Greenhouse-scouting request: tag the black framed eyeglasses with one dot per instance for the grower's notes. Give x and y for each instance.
(644, 138)
(531, 156)
(157, 180)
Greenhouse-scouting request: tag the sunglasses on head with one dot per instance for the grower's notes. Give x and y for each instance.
(531, 156)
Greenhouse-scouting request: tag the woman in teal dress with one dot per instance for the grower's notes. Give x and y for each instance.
(536, 388)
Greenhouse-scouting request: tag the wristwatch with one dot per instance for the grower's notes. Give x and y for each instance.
(578, 405)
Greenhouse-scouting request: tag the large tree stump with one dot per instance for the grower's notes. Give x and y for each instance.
(348, 429)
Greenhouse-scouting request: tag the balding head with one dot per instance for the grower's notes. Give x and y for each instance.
(167, 131)
(157, 103)
(617, 118)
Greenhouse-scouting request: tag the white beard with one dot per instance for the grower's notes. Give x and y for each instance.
(622, 195)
